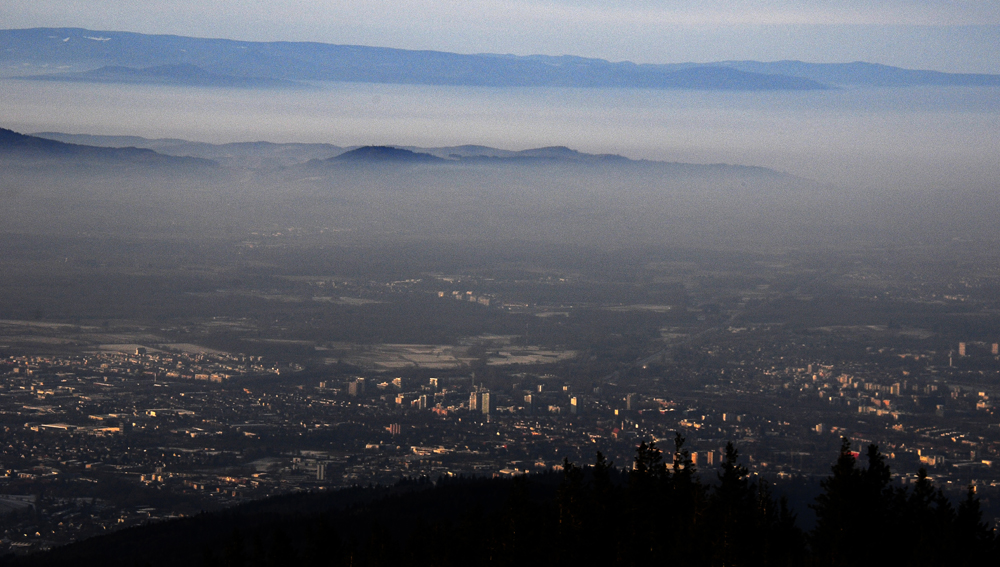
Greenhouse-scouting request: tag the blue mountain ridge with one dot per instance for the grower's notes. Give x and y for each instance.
(179, 74)
(75, 54)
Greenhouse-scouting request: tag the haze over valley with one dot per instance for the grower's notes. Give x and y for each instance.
(922, 130)
(237, 271)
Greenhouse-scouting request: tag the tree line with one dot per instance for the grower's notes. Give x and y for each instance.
(658, 510)
(661, 510)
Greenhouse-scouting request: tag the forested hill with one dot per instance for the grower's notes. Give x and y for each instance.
(650, 513)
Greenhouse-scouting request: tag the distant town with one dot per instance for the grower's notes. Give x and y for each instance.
(131, 433)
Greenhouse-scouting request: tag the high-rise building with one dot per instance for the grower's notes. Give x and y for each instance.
(321, 471)
(485, 403)
(996, 349)
(356, 387)
(961, 349)
(473, 401)
(630, 401)
(574, 405)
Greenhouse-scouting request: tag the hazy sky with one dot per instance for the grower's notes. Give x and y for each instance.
(950, 35)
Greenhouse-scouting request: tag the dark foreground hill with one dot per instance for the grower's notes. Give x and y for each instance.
(598, 515)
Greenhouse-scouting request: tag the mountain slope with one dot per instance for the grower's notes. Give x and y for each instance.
(175, 74)
(76, 53)
(865, 74)
(290, 154)
(19, 146)
(236, 154)
(384, 154)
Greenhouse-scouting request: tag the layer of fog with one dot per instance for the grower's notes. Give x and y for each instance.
(895, 140)
(606, 205)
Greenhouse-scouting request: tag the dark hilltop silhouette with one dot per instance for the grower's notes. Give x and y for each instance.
(384, 154)
(651, 511)
(26, 147)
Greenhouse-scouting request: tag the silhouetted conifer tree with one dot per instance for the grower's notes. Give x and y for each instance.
(975, 541)
(520, 527)
(257, 553)
(645, 497)
(603, 514)
(686, 500)
(571, 513)
(235, 554)
(922, 530)
(836, 512)
(382, 549)
(732, 508)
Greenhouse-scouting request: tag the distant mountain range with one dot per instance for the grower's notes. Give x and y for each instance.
(71, 54)
(555, 194)
(182, 74)
(467, 154)
(276, 155)
(289, 154)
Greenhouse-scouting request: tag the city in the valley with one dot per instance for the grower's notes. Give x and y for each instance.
(115, 423)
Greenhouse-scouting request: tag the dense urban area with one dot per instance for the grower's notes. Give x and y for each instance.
(116, 423)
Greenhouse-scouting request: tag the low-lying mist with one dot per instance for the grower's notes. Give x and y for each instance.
(602, 204)
(877, 139)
